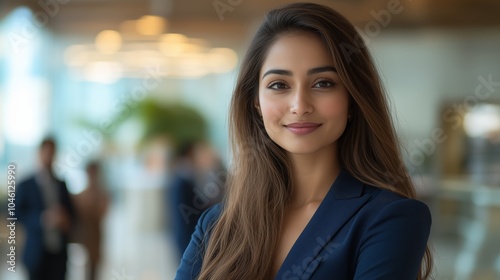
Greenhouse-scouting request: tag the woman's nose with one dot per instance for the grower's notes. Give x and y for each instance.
(301, 104)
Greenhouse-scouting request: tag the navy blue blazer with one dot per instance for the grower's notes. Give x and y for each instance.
(358, 232)
(30, 206)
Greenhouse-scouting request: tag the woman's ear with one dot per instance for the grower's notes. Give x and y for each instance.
(257, 106)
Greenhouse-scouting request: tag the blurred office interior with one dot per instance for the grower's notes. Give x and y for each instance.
(125, 82)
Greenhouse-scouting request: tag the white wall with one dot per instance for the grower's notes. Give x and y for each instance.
(422, 69)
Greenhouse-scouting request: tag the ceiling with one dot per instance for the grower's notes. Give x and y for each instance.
(231, 25)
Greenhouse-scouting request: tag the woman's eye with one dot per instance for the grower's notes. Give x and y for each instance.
(278, 86)
(323, 84)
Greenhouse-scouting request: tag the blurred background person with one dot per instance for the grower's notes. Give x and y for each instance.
(212, 173)
(197, 182)
(91, 205)
(47, 213)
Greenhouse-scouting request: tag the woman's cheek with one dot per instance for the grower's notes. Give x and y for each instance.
(271, 118)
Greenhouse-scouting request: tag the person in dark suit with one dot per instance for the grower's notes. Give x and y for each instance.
(317, 188)
(46, 211)
(194, 186)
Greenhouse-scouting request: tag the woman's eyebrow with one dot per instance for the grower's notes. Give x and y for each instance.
(321, 69)
(278, 72)
(309, 72)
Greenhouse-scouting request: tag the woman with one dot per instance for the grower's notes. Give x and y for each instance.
(92, 204)
(318, 189)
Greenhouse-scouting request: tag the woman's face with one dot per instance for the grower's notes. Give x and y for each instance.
(304, 104)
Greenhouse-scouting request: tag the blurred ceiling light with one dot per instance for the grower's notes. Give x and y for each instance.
(194, 60)
(482, 121)
(173, 38)
(171, 49)
(76, 55)
(151, 25)
(192, 48)
(195, 72)
(134, 47)
(108, 41)
(104, 72)
(191, 65)
(176, 54)
(144, 58)
(198, 41)
(172, 44)
(221, 60)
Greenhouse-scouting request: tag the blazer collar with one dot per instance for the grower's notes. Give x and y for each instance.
(341, 202)
(346, 186)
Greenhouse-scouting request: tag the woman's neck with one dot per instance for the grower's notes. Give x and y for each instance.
(313, 174)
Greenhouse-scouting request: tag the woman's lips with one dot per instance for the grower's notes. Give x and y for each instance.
(302, 128)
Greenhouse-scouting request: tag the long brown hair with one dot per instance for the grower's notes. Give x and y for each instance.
(244, 238)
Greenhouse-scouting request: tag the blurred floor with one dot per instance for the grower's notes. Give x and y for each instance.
(446, 249)
(129, 253)
(135, 253)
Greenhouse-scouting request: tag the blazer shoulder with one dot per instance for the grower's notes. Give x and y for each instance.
(27, 180)
(385, 196)
(397, 226)
(385, 202)
(27, 184)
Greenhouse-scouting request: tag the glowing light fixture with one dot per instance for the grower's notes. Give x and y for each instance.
(482, 120)
(104, 72)
(221, 60)
(191, 65)
(172, 44)
(177, 55)
(174, 38)
(108, 41)
(151, 25)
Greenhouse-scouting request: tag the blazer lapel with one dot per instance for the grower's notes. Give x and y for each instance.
(342, 201)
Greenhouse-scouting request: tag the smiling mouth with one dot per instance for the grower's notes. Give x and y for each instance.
(302, 128)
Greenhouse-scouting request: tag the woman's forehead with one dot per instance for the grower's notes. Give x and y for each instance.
(297, 51)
